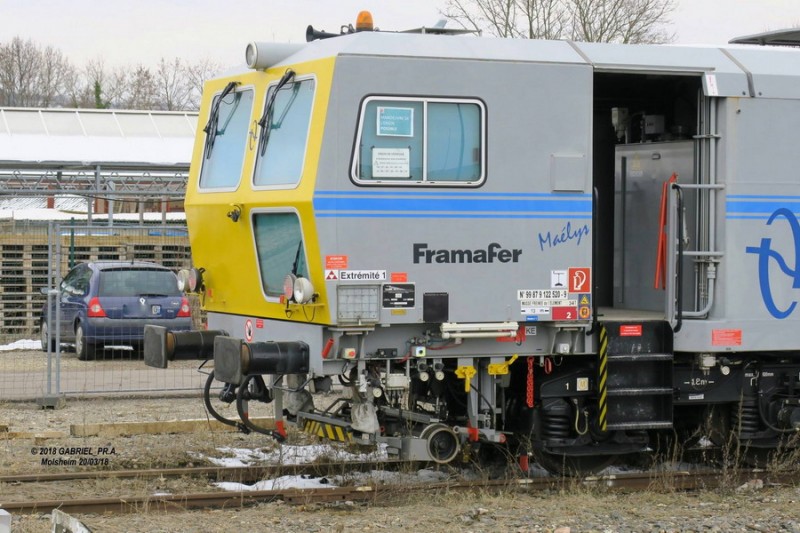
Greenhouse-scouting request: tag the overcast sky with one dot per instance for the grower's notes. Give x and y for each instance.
(131, 32)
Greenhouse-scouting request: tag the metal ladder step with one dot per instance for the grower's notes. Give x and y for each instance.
(640, 357)
(650, 424)
(642, 391)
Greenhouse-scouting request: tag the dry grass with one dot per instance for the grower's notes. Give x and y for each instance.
(572, 503)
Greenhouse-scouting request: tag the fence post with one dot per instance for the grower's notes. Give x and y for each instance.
(51, 400)
(71, 242)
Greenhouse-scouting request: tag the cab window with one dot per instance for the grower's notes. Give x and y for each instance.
(280, 249)
(282, 146)
(226, 140)
(420, 142)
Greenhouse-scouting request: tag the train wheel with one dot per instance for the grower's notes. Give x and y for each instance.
(223, 401)
(573, 465)
(443, 444)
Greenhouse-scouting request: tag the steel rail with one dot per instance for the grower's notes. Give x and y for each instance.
(219, 473)
(180, 502)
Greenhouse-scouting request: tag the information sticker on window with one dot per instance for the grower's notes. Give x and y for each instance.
(391, 163)
(396, 121)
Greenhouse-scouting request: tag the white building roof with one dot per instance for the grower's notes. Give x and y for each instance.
(88, 137)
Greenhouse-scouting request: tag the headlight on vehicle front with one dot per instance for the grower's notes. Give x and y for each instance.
(288, 287)
(190, 280)
(183, 280)
(303, 291)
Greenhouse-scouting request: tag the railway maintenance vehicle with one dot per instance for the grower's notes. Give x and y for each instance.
(570, 249)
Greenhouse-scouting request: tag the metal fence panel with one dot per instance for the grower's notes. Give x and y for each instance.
(33, 263)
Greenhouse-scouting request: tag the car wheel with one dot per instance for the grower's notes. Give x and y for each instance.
(44, 331)
(84, 349)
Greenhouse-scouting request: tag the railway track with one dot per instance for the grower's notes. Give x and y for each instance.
(378, 493)
(240, 474)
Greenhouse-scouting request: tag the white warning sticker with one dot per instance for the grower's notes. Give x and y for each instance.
(542, 294)
(362, 275)
(550, 303)
(535, 310)
(558, 279)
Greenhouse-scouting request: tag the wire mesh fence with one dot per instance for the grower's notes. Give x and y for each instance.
(74, 300)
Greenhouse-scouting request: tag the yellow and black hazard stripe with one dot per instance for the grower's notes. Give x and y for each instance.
(327, 431)
(602, 377)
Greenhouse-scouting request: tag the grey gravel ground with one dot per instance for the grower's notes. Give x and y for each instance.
(753, 508)
(770, 510)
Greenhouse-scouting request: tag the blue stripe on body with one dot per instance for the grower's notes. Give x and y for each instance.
(408, 204)
(758, 206)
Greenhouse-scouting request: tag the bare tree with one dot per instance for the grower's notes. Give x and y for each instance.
(197, 74)
(545, 19)
(622, 21)
(17, 67)
(31, 76)
(116, 87)
(495, 15)
(76, 93)
(142, 90)
(53, 71)
(527, 19)
(174, 86)
(85, 89)
(96, 87)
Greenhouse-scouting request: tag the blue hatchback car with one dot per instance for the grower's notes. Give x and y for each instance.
(110, 302)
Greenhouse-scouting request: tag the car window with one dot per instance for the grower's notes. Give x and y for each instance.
(76, 283)
(137, 282)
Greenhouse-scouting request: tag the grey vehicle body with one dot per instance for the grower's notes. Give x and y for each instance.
(631, 232)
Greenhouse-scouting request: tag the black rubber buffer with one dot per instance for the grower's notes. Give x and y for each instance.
(234, 359)
(162, 345)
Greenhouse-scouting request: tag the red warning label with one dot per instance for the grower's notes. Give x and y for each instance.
(726, 337)
(580, 279)
(564, 313)
(630, 330)
(335, 262)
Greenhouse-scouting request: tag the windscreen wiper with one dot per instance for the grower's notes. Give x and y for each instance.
(213, 120)
(266, 119)
(297, 257)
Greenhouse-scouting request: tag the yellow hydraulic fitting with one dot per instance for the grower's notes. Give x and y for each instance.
(499, 369)
(466, 373)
